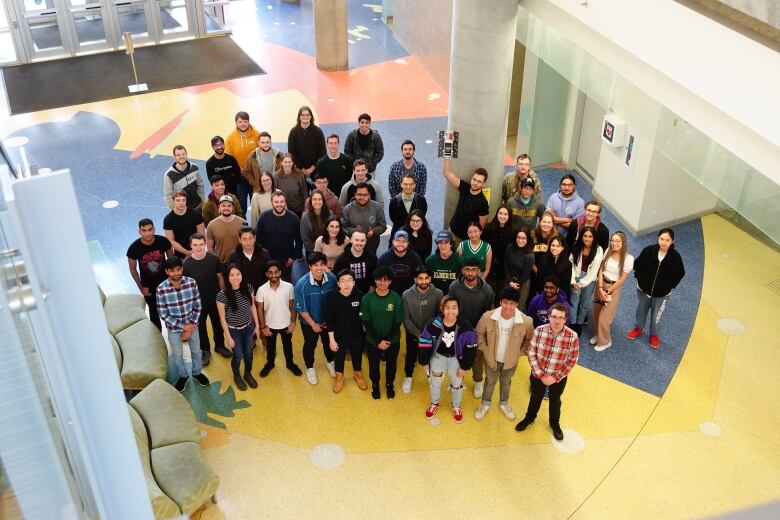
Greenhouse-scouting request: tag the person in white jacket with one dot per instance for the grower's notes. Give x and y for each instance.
(585, 259)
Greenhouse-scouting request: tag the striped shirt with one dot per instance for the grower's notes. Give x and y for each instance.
(242, 315)
(177, 307)
(553, 355)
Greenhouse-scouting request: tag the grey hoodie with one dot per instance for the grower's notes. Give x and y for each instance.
(348, 190)
(473, 302)
(372, 215)
(419, 309)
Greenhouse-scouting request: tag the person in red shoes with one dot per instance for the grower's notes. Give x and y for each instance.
(658, 269)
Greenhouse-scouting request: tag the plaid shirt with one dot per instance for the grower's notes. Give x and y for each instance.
(397, 173)
(178, 307)
(553, 355)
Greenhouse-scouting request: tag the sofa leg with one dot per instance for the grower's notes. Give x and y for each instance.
(213, 499)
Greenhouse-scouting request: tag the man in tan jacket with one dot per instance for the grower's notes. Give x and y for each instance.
(503, 335)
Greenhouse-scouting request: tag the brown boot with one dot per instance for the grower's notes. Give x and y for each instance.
(338, 383)
(361, 383)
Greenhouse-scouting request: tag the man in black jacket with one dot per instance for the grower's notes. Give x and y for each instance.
(406, 201)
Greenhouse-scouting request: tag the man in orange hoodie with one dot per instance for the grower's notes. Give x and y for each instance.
(239, 143)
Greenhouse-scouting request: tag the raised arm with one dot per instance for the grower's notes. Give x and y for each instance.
(448, 175)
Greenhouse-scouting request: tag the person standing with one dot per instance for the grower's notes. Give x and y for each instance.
(261, 198)
(477, 248)
(658, 269)
(224, 165)
(276, 312)
(444, 263)
(408, 165)
(178, 301)
(222, 233)
(210, 209)
(552, 354)
(345, 329)
(311, 296)
(518, 261)
(401, 261)
(335, 166)
(239, 143)
(420, 236)
(360, 175)
(511, 184)
(145, 258)
(321, 187)
(503, 335)
(586, 259)
(612, 275)
(250, 257)
(238, 315)
(472, 205)
(539, 306)
(206, 269)
(499, 234)
(183, 176)
(314, 220)
(264, 158)
(332, 242)
(279, 230)
(382, 313)
(590, 218)
(525, 208)
(306, 142)
(447, 344)
(180, 223)
(566, 204)
(403, 203)
(365, 143)
(359, 260)
(365, 215)
(421, 303)
(292, 182)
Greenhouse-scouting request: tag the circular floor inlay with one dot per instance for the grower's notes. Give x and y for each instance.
(435, 421)
(401, 61)
(327, 456)
(731, 326)
(428, 141)
(16, 141)
(110, 204)
(725, 255)
(572, 442)
(710, 429)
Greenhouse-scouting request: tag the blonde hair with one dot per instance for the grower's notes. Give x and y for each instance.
(623, 251)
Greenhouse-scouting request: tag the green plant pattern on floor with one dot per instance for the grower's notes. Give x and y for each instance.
(207, 400)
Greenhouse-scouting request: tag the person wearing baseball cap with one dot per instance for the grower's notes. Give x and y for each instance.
(402, 262)
(524, 208)
(222, 232)
(444, 263)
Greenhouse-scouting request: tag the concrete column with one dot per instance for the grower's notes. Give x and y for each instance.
(483, 45)
(330, 34)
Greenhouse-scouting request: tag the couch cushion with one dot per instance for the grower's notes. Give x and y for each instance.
(182, 473)
(123, 310)
(144, 354)
(117, 353)
(167, 415)
(162, 505)
(102, 296)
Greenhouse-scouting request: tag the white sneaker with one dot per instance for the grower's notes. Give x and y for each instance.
(478, 387)
(407, 385)
(602, 348)
(508, 412)
(311, 375)
(331, 368)
(481, 411)
(593, 340)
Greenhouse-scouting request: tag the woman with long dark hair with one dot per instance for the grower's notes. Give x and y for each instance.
(613, 273)
(420, 236)
(585, 259)
(556, 262)
(238, 316)
(518, 261)
(314, 220)
(498, 233)
(332, 241)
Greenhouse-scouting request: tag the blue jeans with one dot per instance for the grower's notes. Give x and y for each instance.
(244, 339)
(439, 365)
(582, 303)
(655, 306)
(177, 346)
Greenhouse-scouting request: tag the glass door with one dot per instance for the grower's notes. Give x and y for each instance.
(214, 17)
(43, 28)
(8, 52)
(135, 17)
(176, 19)
(86, 22)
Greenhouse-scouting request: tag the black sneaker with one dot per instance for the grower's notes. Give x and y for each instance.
(522, 425)
(224, 352)
(267, 370)
(375, 392)
(292, 367)
(557, 433)
(201, 379)
(251, 381)
(390, 392)
(239, 382)
(180, 384)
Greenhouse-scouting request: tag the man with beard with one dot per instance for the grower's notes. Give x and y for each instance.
(472, 204)
(401, 261)
(365, 143)
(408, 165)
(180, 223)
(276, 311)
(279, 230)
(360, 175)
(145, 259)
(421, 303)
(222, 233)
(210, 207)
(183, 176)
(511, 184)
(223, 164)
(405, 202)
(359, 260)
(264, 158)
(590, 218)
(240, 142)
(566, 204)
(366, 215)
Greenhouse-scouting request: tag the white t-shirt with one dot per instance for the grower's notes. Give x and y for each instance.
(612, 267)
(504, 329)
(276, 304)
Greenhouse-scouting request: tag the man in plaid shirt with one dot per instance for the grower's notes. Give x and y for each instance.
(407, 165)
(178, 302)
(553, 353)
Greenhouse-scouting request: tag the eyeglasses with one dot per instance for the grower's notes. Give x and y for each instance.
(596, 211)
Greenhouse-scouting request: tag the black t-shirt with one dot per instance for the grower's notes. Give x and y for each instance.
(182, 226)
(447, 343)
(204, 272)
(343, 316)
(150, 260)
(363, 267)
(228, 168)
(470, 208)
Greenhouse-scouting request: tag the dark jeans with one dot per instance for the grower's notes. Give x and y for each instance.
(151, 302)
(244, 195)
(286, 346)
(310, 343)
(410, 359)
(537, 395)
(390, 355)
(209, 311)
(355, 349)
(244, 339)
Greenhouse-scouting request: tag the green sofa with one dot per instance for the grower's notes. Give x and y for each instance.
(177, 477)
(139, 348)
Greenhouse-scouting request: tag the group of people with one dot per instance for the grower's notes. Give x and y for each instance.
(478, 296)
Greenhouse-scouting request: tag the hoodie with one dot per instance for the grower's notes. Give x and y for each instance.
(419, 309)
(348, 190)
(473, 302)
(188, 180)
(252, 168)
(371, 215)
(654, 278)
(210, 209)
(465, 342)
(372, 153)
(539, 307)
(525, 214)
(240, 146)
